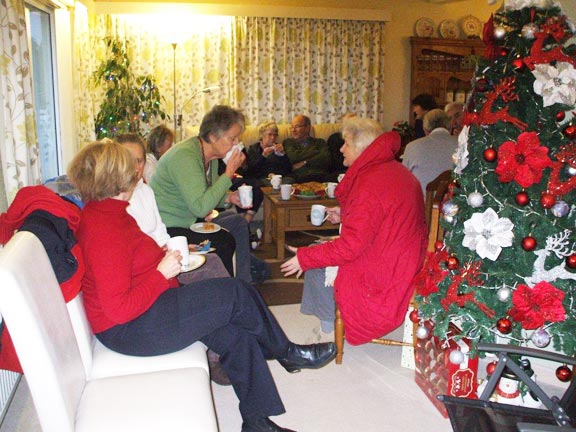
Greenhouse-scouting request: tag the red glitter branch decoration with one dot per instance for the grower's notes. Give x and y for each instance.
(471, 275)
(505, 89)
(566, 155)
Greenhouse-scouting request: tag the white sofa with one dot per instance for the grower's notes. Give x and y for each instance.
(250, 135)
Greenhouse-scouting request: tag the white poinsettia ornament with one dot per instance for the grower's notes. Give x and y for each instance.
(556, 84)
(521, 4)
(486, 234)
(460, 157)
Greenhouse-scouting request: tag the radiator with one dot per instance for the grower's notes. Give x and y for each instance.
(8, 382)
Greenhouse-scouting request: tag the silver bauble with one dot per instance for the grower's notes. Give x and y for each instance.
(449, 208)
(449, 219)
(499, 32)
(504, 294)
(422, 332)
(570, 170)
(475, 199)
(529, 30)
(560, 209)
(541, 338)
(456, 357)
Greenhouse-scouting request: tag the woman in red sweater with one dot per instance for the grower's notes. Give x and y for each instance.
(382, 240)
(136, 307)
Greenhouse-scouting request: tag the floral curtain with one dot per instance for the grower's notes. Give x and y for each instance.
(268, 67)
(322, 68)
(19, 145)
(84, 63)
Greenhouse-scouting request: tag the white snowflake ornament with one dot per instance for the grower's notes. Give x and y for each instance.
(486, 234)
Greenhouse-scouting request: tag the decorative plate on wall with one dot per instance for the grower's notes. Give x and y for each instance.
(471, 26)
(424, 27)
(448, 29)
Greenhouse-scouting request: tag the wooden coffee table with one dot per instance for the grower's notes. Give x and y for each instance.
(293, 215)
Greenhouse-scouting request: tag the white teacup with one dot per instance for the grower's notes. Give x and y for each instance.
(276, 181)
(330, 188)
(245, 192)
(286, 190)
(318, 214)
(180, 243)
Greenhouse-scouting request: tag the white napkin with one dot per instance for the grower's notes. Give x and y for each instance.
(238, 147)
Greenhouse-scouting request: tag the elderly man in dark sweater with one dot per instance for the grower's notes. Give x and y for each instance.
(309, 156)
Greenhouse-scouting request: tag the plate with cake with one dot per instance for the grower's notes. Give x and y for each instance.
(205, 227)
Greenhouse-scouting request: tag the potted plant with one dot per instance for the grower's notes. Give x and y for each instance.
(129, 100)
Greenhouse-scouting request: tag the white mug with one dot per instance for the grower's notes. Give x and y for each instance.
(180, 243)
(245, 192)
(276, 181)
(318, 214)
(330, 188)
(286, 190)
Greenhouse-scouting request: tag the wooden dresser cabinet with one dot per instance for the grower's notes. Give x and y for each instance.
(443, 68)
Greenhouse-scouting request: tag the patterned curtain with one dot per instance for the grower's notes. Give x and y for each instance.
(322, 68)
(203, 51)
(19, 145)
(84, 63)
(268, 67)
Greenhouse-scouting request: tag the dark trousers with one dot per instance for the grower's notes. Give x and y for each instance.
(222, 241)
(229, 317)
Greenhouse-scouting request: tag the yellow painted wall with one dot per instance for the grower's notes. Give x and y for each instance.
(402, 14)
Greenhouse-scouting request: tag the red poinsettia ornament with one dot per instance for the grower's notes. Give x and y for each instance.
(426, 282)
(523, 161)
(532, 307)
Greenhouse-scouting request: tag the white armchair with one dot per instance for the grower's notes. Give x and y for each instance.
(34, 311)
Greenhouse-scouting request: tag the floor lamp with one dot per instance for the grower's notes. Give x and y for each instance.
(174, 44)
(211, 89)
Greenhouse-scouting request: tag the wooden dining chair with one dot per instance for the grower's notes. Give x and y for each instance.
(435, 193)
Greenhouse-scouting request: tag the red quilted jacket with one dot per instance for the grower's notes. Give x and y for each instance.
(381, 245)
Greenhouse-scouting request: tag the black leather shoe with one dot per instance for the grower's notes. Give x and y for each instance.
(308, 356)
(263, 424)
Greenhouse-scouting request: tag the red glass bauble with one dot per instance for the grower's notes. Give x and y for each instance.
(570, 131)
(518, 64)
(438, 245)
(529, 243)
(503, 52)
(571, 261)
(490, 367)
(547, 200)
(414, 316)
(504, 325)
(452, 263)
(490, 155)
(560, 115)
(522, 198)
(564, 373)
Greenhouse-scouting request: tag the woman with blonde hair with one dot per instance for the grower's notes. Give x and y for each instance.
(135, 305)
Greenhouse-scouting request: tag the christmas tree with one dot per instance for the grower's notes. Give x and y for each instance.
(506, 269)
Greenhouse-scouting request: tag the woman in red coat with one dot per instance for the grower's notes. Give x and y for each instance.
(383, 233)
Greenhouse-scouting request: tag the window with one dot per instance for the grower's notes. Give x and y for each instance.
(40, 24)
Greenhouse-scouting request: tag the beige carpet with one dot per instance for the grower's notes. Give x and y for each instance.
(369, 392)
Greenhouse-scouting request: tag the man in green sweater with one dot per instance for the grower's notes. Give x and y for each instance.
(309, 156)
